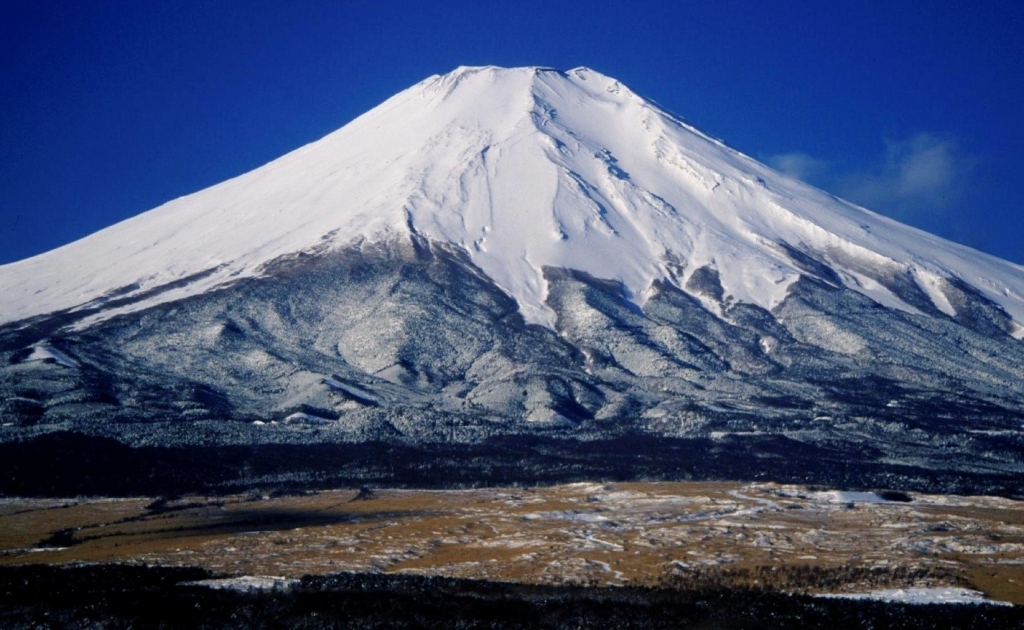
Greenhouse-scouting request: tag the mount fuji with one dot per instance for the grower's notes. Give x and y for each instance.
(521, 252)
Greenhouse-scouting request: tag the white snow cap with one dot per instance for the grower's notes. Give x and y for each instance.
(523, 168)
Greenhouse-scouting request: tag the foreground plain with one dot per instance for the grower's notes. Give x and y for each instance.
(683, 535)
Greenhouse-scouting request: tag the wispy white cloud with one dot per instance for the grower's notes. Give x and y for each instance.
(917, 178)
(923, 174)
(799, 165)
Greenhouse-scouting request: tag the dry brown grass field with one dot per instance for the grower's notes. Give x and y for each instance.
(762, 535)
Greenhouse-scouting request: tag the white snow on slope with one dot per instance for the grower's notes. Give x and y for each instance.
(42, 352)
(524, 168)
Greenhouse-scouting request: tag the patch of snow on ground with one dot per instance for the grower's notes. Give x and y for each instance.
(617, 575)
(941, 595)
(566, 515)
(307, 418)
(847, 496)
(589, 542)
(736, 494)
(247, 583)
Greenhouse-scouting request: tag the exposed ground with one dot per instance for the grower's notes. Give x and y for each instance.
(786, 537)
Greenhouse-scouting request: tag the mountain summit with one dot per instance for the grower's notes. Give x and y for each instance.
(499, 253)
(522, 168)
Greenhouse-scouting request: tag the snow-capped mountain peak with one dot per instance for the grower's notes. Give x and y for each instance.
(524, 169)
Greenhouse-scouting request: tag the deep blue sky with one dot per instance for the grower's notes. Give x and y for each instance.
(110, 108)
